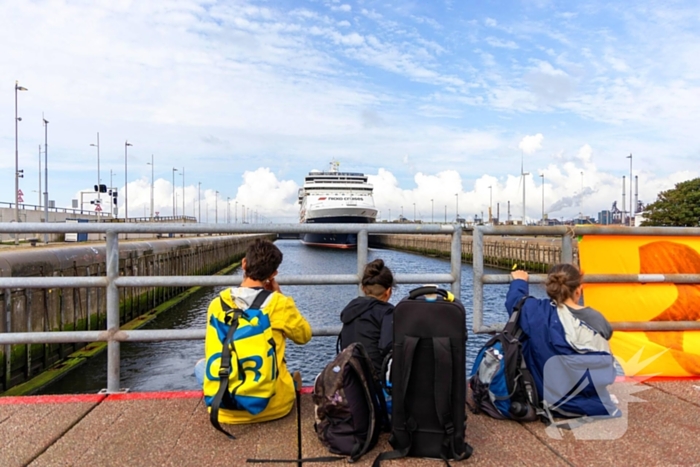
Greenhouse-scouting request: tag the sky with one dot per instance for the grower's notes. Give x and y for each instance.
(443, 103)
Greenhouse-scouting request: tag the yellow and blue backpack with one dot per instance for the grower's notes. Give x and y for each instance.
(241, 358)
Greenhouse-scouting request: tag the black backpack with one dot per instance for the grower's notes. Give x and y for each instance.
(428, 377)
(349, 407)
(502, 386)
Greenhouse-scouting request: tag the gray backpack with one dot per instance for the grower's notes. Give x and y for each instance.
(349, 407)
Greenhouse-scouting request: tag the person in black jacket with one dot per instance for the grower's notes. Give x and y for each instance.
(369, 319)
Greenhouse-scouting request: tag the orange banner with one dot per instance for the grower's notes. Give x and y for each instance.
(647, 353)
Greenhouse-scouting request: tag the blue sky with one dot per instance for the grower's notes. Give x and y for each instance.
(429, 98)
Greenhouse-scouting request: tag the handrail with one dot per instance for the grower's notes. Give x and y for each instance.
(566, 233)
(113, 335)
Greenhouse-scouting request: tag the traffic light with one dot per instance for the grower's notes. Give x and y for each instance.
(101, 188)
(114, 196)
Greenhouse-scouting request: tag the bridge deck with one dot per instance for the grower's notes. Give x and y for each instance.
(173, 429)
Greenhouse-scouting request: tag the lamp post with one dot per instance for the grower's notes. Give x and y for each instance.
(414, 212)
(580, 200)
(152, 183)
(216, 207)
(199, 201)
(111, 196)
(623, 208)
(228, 209)
(235, 213)
(174, 205)
(389, 214)
(457, 206)
(432, 210)
(126, 184)
(98, 172)
(183, 192)
(445, 214)
(46, 175)
(17, 171)
(542, 176)
(39, 192)
(490, 203)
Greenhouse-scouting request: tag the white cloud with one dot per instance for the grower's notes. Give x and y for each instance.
(531, 143)
(344, 7)
(500, 43)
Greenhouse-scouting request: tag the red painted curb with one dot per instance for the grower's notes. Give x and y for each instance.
(52, 399)
(131, 396)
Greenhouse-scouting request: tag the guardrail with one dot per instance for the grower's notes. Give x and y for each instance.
(113, 335)
(567, 233)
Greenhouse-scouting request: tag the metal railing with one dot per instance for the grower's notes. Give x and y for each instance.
(113, 335)
(567, 233)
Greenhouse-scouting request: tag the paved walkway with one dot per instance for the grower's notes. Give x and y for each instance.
(172, 429)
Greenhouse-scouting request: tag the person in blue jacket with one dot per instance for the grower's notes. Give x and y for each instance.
(565, 345)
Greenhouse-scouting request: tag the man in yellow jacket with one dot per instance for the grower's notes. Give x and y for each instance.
(259, 269)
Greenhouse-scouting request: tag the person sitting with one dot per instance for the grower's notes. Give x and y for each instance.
(259, 270)
(565, 344)
(369, 319)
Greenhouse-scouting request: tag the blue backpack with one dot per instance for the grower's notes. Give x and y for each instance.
(501, 384)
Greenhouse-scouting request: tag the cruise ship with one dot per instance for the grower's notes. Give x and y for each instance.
(335, 197)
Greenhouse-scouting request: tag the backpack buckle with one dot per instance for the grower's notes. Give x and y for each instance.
(449, 429)
(224, 372)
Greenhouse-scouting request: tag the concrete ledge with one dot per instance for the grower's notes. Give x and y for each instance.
(171, 431)
(28, 426)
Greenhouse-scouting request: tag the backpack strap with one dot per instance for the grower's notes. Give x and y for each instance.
(512, 326)
(427, 290)
(228, 347)
(224, 373)
(442, 353)
(409, 350)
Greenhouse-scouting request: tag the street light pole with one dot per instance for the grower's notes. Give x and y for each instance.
(623, 208)
(17, 172)
(174, 206)
(457, 207)
(216, 207)
(46, 175)
(111, 196)
(99, 213)
(199, 201)
(490, 203)
(542, 176)
(228, 209)
(235, 213)
(126, 184)
(152, 184)
(432, 210)
(580, 200)
(414, 212)
(183, 192)
(39, 192)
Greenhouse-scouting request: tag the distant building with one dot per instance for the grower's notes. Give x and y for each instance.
(605, 217)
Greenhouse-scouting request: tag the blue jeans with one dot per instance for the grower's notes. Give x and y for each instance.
(199, 369)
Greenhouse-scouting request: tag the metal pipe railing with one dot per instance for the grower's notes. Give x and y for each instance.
(113, 335)
(567, 233)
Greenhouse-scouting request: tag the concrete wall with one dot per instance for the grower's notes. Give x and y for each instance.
(84, 308)
(535, 253)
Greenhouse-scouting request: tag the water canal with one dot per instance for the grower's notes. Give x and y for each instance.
(161, 366)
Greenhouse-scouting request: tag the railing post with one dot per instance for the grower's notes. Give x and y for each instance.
(456, 261)
(478, 285)
(567, 248)
(112, 260)
(362, 246)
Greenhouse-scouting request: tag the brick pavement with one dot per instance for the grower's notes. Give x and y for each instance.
(172, 429)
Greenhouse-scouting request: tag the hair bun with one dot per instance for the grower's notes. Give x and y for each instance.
(374, 268)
